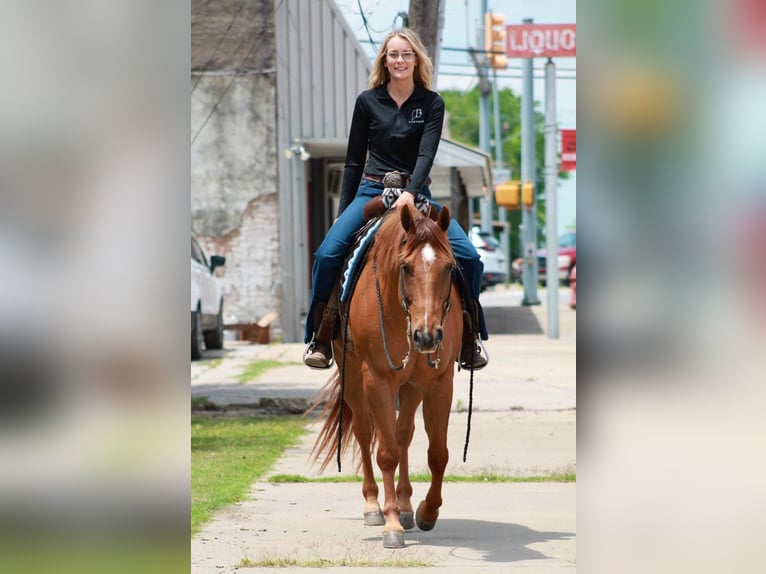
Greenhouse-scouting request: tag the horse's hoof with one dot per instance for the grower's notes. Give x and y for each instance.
(422, 524)
(393, 539)
(374, 518)
(407, 520)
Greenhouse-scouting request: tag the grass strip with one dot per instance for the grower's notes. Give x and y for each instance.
(257, 368)
(424, 477)
(229, 454)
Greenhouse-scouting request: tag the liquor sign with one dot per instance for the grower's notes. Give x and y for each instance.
(568, 150)
(541, 40)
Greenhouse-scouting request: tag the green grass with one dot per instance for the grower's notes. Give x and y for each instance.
(213, 363)
(203, 404)
(43, 552)
(229, 454)
(424, 477)
(257, 368)
(347, 561)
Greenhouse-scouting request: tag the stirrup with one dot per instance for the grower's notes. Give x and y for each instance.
(310, 349)
(465, 366)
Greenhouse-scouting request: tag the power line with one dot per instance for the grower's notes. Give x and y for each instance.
(220, 42)
(364, 21)
(477, 51)
(503, 76)
(473, 66)
(223, 95)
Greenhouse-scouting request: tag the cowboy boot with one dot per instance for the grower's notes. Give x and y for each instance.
(318, 354)
(470, 352)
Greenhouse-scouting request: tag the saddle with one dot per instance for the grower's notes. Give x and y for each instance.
(354, 262)
(373, 213)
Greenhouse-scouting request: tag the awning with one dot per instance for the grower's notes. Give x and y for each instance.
(473, 165)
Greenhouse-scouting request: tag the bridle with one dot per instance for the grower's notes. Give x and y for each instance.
(406, 306)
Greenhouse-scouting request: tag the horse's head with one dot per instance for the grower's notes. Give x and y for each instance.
(426, 264)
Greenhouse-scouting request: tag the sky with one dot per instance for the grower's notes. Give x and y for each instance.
(462, 19)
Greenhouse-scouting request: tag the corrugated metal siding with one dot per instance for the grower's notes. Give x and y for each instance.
(321, 68)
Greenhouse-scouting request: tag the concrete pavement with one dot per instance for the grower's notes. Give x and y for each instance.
(523, 424)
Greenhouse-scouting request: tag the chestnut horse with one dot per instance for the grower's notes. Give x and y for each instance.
(401, 340)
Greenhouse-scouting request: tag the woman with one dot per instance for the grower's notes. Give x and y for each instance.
(399, 122)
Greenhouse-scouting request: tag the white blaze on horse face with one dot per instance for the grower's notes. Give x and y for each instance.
(429, 256)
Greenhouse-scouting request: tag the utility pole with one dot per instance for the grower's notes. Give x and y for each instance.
(426, 17)
(551, 200)
(484, 88)
(501, 215)
(528, 213)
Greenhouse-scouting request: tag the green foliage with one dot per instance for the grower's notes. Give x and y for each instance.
(228, 454)
(463, 121)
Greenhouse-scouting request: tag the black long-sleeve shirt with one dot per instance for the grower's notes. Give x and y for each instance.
(398, 139)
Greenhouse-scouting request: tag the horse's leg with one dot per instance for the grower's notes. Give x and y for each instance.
(409, 399)
(381, 402)
(363, 432)
(436, 410)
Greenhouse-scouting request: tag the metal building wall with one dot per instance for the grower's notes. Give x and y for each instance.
(321, 68)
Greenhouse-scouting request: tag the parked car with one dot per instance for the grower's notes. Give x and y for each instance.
(492, 257)
(206, 301)
(573, 284)
(566, 261)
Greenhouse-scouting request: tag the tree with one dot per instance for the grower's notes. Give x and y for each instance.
(426, 18)
(463, 121)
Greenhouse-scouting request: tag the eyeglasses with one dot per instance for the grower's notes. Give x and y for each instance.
(406, 56)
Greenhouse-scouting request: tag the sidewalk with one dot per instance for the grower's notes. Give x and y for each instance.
(523, 424)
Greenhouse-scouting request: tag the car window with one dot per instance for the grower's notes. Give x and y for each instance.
(197, 253)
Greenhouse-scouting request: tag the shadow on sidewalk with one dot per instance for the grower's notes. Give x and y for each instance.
(512, 321)
(484, 540)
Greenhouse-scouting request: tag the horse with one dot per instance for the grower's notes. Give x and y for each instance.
(404, 300)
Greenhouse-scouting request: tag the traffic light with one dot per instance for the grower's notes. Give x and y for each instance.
(508, 194)
(494, 40)
(528, 194)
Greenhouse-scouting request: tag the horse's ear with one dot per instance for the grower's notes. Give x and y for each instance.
(405, 215)
(444, 218)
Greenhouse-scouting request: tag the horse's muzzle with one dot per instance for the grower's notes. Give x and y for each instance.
(427, 341)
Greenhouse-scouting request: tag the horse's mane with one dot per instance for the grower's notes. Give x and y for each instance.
(388, 240)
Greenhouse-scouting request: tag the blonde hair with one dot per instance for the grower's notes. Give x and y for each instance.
(423, 72)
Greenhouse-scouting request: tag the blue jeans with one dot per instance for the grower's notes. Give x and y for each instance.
(328, 259)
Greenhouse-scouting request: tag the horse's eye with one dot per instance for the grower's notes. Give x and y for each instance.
(407, 270)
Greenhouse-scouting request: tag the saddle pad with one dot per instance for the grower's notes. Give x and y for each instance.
(355, 261)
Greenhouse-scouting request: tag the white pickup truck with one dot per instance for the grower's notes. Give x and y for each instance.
(206, 302)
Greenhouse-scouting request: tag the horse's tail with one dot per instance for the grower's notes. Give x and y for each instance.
(326, 445)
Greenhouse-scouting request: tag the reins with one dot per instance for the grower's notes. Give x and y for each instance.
(382, 322)
(432, 364)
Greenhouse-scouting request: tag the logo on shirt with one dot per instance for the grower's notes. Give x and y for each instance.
(417, 116)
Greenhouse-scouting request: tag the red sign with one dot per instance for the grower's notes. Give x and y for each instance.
(541, 40)
(568, 150)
